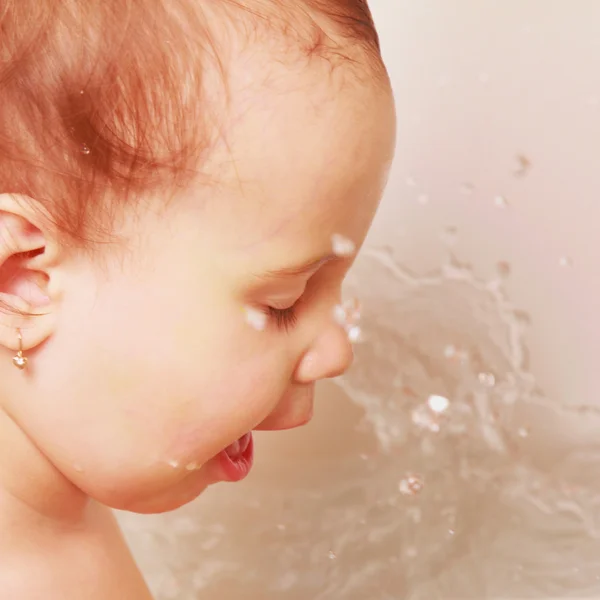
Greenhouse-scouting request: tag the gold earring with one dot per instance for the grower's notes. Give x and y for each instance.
(19, 360)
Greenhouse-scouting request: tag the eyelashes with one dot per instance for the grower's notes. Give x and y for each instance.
(284, 318)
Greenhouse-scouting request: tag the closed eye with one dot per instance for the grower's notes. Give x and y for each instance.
(284, 318)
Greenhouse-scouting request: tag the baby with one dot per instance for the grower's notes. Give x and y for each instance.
(183, 186)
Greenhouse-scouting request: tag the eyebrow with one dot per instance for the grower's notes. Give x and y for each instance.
(298, 270)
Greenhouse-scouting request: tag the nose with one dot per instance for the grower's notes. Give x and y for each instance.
(329, 356)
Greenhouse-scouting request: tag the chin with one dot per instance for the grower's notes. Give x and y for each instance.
(158, 501)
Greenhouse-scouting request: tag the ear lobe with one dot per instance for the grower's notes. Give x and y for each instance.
(25, 303)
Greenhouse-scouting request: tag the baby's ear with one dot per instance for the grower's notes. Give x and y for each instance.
(27, 253)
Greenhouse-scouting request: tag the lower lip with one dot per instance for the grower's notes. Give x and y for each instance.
(237, 468)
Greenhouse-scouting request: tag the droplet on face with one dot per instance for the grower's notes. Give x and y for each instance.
(438, 404)
(256, 318)
(174, 464)
(342, 246)
(332, 555)
(193, 466)
(78, 468)
(411, 485)
(85, 149)
(423, 199)
(523, 432)
(501, 202)
(411, 181)
(484, 77)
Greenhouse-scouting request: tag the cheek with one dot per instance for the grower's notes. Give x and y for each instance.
(138, 398)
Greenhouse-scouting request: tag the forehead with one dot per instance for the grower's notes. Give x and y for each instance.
(302, 152)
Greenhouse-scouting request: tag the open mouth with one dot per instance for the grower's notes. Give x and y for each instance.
(236, 460)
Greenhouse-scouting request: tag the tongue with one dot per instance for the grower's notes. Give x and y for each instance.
(235, 450)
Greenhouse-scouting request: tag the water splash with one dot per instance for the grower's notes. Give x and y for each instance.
(511, 504)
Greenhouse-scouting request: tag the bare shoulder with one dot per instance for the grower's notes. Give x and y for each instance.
(92, 563)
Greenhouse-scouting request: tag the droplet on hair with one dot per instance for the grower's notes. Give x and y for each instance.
(438, 404)
(256, 318)
(565, 261)
(173, 464)
(342, 246)
(85, 149)
(501, 202)
(411, 485)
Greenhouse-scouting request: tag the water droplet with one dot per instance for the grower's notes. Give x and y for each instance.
(81, 92)
(78, 468)
(348, 316)
(501, 202)
(85, 149)
(281, 527)
(193, 466)
(450, 236)
(487, 379)
(523, 432)
(451, 531)
(332, 555)
(342, 246)
(565, 262)
(424, 418)
(467, 188)
(411, 181)
(523, 166)
(411, 485)
(503, 269)
(355, 334)
(423, 199)
(484, 78)
(451, 352)
(173, 464)
(438, 404)
(256, 318)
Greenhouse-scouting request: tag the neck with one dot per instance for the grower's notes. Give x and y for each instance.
(30, 485)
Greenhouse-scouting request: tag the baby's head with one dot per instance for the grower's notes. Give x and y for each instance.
(172, 174)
